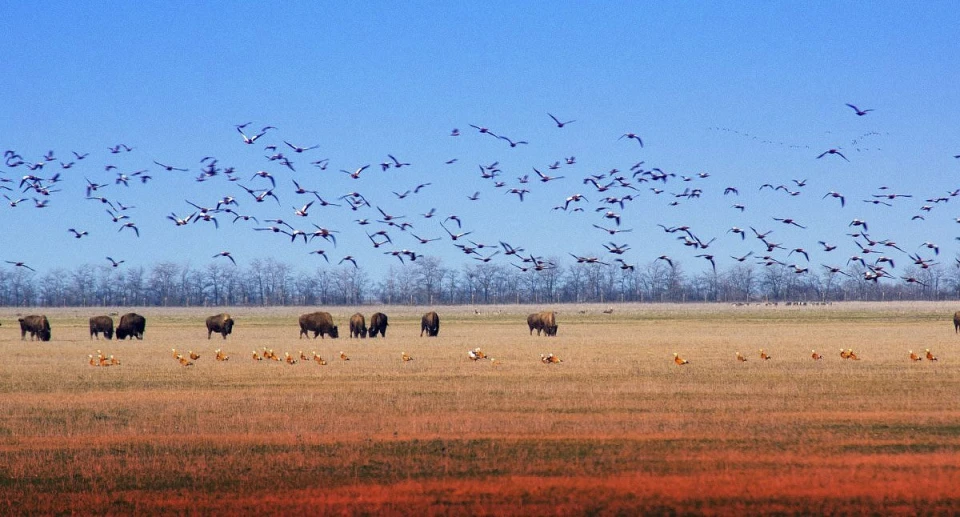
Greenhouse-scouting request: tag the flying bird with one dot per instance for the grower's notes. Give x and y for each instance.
(265, 174)
(832, 151)
(558, 122)
(226, 254)
(666, 259)
(21, 264)
(298, 149)
(478, 128)
(132, 226)
(545, 178)
(836, 195)
(789, 221)
(633, 136)
(170, 168)
(859, 111)
(356, 174)
(709, 258)
(302, 211)
(512, 142)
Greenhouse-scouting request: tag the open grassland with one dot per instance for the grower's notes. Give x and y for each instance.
(616, 428)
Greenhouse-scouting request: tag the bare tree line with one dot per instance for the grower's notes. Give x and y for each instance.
(427, 281)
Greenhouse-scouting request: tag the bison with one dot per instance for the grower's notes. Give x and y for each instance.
(549, 321)
(319, 323)
(221, 323)
(430, 322)
(37, 325)
(545, 321)
(956, 322)
(131, 325)
(378, 324)
(533, 321)
(102, 324)
(358, 326)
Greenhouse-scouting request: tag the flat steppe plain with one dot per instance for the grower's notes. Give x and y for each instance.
(616, 428)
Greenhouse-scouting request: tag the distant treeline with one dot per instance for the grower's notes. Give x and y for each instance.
(428, 282)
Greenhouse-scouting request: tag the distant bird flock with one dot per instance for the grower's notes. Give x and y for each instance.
(295, 204)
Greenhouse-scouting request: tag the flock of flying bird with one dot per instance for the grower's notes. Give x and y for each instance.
(612, 191)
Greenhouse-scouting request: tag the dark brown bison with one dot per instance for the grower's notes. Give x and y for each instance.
(533, 321)
(358, 326)
(545, 321)
(221, 323)
(378, 324)
(131, 325)
(430, 322)
(37, 325)
(319, 323)
(956, 322)
(102, 324)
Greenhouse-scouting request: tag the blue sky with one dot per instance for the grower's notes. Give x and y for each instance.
(748, 92)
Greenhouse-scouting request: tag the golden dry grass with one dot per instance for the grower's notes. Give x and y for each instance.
(616, 428)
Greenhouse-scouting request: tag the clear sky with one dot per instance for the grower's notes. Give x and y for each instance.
(746, 92)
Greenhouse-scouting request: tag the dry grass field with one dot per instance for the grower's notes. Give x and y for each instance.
(616, 428)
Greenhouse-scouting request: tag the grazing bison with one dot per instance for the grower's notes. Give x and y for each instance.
(956, 322)
(221, 323)
(545, 321)
(358, 326)
(533, 321)
(319, 323)
(549, 321)
(102, 324)
(131, 325)
(37, 326)
(378, 324)
(430, 322)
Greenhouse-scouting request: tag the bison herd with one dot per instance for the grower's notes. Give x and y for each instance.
(133, 325)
